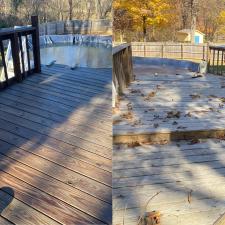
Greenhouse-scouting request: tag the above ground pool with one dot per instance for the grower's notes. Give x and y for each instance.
(77, 50)
(84, 55)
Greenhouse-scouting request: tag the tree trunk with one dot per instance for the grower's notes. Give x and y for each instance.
(144, 28)
(70, 9)
(194, 11)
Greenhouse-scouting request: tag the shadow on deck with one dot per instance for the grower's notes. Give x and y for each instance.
(166, 104)
(55, 148)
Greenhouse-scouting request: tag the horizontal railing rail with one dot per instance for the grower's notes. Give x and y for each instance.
(19, 52)
(216, 61)
(122, 70)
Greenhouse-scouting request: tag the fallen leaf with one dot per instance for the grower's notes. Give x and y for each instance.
(195, 96)
(150, 95)
(116, 121)
(181, 127)
(136, 122)
(190, 196)
(128, 115)
(129, 106)
(175, 123)
(212, 96)
(188, 114)
(133, 91)
(133, 144)
(194, 141)
(173, 114)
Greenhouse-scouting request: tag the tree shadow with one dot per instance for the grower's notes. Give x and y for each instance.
(49, 138)
(180, 169)
(7, 199)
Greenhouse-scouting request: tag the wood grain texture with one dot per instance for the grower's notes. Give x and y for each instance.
(157, 93)
(56, 148)
(186, 177)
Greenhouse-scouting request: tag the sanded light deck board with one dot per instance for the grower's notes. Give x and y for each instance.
(56, 148)
(189, 176)
(190, 180)
(159, 91)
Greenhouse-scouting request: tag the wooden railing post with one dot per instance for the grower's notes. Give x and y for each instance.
(182, 51)
(36, 44)
(162, 51)
(3, 61)
(122, 69)
(15, 56)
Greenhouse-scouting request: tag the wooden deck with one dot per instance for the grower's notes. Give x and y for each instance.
(185, 177)
(168, 104)
(187, 180)
(55, 148)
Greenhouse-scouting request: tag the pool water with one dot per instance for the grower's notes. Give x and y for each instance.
(98, 56)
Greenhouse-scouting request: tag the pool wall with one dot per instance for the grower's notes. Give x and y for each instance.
(75, 39)
(184, 64)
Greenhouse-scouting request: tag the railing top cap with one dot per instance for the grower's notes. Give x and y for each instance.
(119, 48)
(217, 47)
(7, 31)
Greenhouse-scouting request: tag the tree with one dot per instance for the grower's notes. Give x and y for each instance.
(146, 13)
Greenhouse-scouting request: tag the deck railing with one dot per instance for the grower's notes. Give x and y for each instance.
(19, 37)
(216, 60)
(122, 69)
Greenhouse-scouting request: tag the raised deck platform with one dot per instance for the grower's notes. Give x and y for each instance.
(55, 148)
(183, 180)
(165, 103)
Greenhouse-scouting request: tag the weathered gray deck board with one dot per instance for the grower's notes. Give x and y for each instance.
(188, 175)
(55, 148)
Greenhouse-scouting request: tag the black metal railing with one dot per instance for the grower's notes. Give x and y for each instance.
(19, 37)
(216, 61)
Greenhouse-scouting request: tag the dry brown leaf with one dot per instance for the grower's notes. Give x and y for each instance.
(136, 122)
(181, 127)
(188, 114)
(212, 96)
(133, 91)
(128, 115)
(195, 96)
(175, 123)
(117, 121)
(129, 106)
(190, 196)
(115, 110)
(194, 141)
(133, 144)
(173, 114)
(150, 95)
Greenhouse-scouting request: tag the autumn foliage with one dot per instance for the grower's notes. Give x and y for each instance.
(159, 20)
